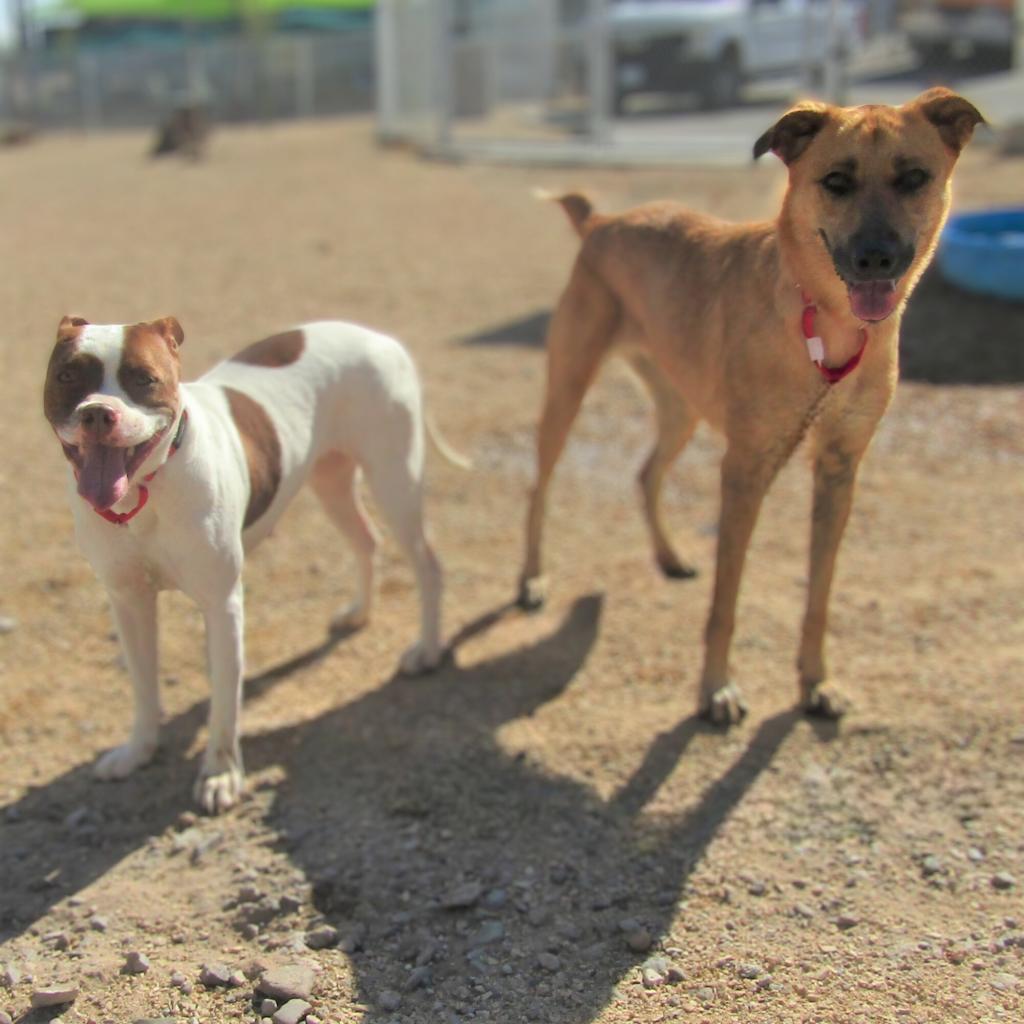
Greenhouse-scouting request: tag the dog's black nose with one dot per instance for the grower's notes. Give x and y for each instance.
(879, 257)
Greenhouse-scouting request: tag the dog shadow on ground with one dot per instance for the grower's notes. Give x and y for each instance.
(948, 336)
(426, 839)
(431, 843)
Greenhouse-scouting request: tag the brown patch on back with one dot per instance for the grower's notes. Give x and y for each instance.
(262, 452)
(150, 369)
(273, 352)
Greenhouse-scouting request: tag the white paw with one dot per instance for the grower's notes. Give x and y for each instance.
(120, 762)
(420, 658)
(533, 592)
(350, 618)
(220, 783)
(725, 706)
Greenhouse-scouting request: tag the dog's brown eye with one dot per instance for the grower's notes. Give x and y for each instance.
(838, 184)
(911, 181)
(145, 380)
(66, 376)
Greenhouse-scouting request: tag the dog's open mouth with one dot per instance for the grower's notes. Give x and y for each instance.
(872, 300)
(104, 470)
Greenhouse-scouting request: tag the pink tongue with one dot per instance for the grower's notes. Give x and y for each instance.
(873, 300)
(102, 478)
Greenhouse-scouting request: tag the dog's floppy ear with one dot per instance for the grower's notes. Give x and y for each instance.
(793, 132)
(954, 117)
(169, 328)
(68, 326)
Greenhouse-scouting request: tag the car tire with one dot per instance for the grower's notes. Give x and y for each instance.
(721, 88)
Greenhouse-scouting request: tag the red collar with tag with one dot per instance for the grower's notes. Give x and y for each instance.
(816, 346)
(120, 518)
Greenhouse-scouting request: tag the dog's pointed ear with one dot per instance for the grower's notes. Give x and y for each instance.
(68, 326)
(169, 328)
(793, 132)
(954, 117)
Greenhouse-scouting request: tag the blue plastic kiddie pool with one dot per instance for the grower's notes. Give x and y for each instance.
(984, 252)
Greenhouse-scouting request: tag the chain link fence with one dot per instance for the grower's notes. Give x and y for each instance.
(236, 79)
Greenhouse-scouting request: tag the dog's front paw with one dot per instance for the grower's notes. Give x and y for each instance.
(120, 762)
(824, 700)
(419, 659)
(724, 706)
(533, 592)
(349, 619)
(220, 783)
(673, 567)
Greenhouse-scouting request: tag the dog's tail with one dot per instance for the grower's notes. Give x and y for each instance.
(444, 449)
(578, 208)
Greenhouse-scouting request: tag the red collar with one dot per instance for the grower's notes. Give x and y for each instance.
(120, 518)
(816, 347)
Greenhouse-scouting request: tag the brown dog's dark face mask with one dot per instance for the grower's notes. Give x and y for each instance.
(869, 189)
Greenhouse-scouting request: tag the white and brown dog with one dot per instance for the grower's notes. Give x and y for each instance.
(173, 481)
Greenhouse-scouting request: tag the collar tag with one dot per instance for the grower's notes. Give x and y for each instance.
(816, 349)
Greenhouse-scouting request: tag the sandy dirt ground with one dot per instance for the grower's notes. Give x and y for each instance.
(541, 831)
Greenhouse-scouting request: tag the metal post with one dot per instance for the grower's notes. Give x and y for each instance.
(444, 72)
(385, 40)
(599, 71)
(305, 76)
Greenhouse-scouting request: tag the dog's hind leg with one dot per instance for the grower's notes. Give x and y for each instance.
(676, 424)
(335, 481)
(580, 335)
(397, 487)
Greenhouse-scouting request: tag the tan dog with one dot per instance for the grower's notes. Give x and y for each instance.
(768, 331)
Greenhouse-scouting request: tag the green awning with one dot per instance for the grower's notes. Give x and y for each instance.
(204, 9)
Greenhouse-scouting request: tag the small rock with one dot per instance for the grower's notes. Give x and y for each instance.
(1003, 880)
(178, 980)
(288, 905)
(156, 1020)
(97, 923)
(389, 1000)
(640, 940)
(135, 963)
(237, 979)
(59, 940)
(931, 865)
(355, 939)
(77, 817)
(215, 976)
(249, 894)
(249, 930)
(268, 1008)
(419, 977)
(804, 911)
(705, 994)
(292, 1012)
(975, 855)
(310, 1019)
(56, 995)
(322, 937)
(750, 971)
(495, 899)
(1004, 982)
(294, 981)
(844, 922)
(5, 1018)
(462, 896)
(7, 624)
(757, 888)
(10, 977)
(489, 932)
(549, 962)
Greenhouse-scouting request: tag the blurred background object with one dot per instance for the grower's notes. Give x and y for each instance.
(569, 80)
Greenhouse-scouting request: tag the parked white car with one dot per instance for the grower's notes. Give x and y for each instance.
(711, 47)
